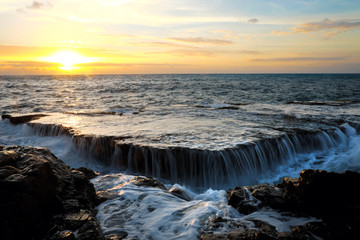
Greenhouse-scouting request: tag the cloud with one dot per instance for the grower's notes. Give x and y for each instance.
(327, 27)
(28, 64)
(299, 59)
(162, 45)
(206, 53)
(202, 40)
(253, 20)
(35, 6)
(38, 5)
(106, 64)
(186, 52)
(247, 52)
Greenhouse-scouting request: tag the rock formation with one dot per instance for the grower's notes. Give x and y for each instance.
(42, 198)
(331, 197)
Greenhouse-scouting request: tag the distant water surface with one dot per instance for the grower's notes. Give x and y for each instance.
(196, 111)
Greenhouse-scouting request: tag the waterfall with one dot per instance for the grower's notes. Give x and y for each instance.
(240, 165)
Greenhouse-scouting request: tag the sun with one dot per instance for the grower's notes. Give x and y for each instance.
(68, 60)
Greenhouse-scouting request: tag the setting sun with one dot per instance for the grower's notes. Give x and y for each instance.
(68, 60)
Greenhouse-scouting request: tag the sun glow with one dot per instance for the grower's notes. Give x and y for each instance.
(68, 60)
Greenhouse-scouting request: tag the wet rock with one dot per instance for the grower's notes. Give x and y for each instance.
(240, 234)
(90, 174)
(63, 235)
(42, 198)
(147, 182)
(240, 198)
(178, 192)
(313, 230)
(326, 195)
(105, 195)
(22, 119)
(265, 228)
(268, 195)
(117, 236)
(8, 158)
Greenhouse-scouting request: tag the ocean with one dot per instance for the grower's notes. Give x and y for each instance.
(200, 133)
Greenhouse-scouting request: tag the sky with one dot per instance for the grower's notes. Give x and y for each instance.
(187, 36)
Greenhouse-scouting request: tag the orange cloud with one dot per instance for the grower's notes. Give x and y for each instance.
(299, 59)
(202, 40)
(28, 64)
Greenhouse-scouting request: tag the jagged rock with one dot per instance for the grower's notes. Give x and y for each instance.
(327, 195)
(147, 182)
(313, 229)
(90, 174)
(39, 193)
(323, 193)
(268, 195)
(8, 158)
(105, 195)
(22, 119)
(240, 234)
(63, 235)
(117, 236)
(241, 199)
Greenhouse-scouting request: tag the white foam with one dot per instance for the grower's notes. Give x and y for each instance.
(282, 221)
(153, 213)
(147, 213)
(345, 156)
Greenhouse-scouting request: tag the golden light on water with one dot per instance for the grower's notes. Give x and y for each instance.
(68, 60)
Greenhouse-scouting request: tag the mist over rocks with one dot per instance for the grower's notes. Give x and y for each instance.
(42, 198)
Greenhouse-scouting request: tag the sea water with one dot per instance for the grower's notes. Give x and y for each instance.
(203, 134)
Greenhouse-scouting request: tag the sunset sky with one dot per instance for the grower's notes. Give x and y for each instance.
(187, 36)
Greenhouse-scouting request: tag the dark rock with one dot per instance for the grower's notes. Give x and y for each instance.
(117, 236)
(42, 198)
(178, 192)
(147, 182)
(240, 234)
(90, 174)
(265, 227)
(63, 235)
(240, 198)
(313, 229)
(8, 158)
(329, 196)
(105, 195)
(268, 195)
(323, 194)
(22, 119)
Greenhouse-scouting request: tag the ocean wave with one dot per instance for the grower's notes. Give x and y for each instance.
(95, 113)
(327, 103)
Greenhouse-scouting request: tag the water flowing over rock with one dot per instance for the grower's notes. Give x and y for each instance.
(207, 168)
(42, 198)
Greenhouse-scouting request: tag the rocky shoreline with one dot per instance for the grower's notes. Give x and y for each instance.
(331, 197)
(43, 198)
